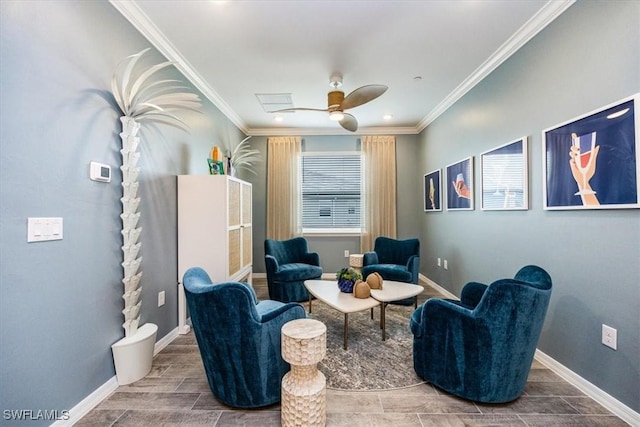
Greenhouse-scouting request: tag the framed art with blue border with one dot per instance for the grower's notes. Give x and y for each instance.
(433, 191)
(460, 185)
(593, 161)
(504, 180)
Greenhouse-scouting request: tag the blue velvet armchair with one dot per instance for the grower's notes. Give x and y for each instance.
(481, 347)
(289, 263)
(239, 339)
(397, 260)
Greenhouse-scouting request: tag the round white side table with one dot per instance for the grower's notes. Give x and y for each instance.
(304, 344)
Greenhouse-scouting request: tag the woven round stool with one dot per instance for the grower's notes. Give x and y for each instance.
(304, 344)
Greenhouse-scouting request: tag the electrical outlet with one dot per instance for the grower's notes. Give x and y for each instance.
(446, 265)
(609, 337)
(346, 253)
(160, 298)
(439, 262)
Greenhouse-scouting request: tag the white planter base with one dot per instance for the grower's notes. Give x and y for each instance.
(133, 355)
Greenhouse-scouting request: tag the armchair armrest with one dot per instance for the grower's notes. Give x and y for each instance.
(436, 314)
(312, 258)
(370, 258)
(413, 266)
(271, 263)
(472, 293)
(290, 311)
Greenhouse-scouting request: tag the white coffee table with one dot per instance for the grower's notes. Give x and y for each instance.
(394, 291)
(328, 292)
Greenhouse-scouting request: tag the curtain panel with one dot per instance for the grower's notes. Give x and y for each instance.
(283, 194)
(379, 195)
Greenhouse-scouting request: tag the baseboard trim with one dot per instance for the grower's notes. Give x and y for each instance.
(88, 403)
(106, 389)
(437, 287)
(613, 405)
(165, 341)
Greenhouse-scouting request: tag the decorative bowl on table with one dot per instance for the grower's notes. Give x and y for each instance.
(347, 278)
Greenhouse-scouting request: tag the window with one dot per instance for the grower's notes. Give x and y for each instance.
(331, 192)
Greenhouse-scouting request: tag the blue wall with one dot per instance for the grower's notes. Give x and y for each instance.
(60, 301)
(588, 58)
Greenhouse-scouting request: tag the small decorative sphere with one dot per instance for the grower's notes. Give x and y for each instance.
(361, 289)
(374, 280)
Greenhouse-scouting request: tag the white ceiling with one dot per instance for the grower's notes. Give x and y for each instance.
(429, 53)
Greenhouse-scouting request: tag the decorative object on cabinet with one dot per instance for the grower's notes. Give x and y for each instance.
(241, 156)
(459, 183)
(140, 100)
(214, 230)
(504, 182)
(593, 161)
(433, 191)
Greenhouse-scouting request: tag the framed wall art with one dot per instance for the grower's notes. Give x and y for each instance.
(593, 161)
(433, 191)
(504, 182)
(459, 181)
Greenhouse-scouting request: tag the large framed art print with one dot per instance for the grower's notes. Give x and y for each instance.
(504, 181)
(459, 184)
(593, 161)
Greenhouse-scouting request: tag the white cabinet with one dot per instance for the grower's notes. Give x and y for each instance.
(214, 230)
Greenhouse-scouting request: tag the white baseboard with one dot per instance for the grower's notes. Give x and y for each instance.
(106, 389)
(88, 403)
(613, 405)
(437, 287)
(165, 341)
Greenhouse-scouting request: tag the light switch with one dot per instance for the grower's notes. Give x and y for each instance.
(43, 229)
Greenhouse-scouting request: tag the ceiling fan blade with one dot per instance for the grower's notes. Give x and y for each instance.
(291, 110)
(362, 95)
(349, 122)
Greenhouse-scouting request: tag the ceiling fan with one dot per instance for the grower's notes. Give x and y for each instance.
(338, 102)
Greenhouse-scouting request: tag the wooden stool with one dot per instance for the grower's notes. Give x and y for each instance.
(304, 344)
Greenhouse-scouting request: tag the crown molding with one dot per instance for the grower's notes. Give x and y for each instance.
(281, 131)
(546, 15)
(142, 23)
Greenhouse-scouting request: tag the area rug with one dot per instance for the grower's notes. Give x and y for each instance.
(368, 363)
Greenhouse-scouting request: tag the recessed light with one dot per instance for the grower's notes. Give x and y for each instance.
(278, 118)
(387, 117)
(618, 114)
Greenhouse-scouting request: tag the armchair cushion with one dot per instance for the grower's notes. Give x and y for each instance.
(482, 348)
(239, 339)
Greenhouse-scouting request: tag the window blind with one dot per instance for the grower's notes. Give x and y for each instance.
(331, 185)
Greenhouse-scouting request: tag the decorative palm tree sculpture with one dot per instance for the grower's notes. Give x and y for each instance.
(141, 100)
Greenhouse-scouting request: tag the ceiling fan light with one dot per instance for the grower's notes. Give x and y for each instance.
(336, 115)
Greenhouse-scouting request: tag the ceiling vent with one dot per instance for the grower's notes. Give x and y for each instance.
(274, 101)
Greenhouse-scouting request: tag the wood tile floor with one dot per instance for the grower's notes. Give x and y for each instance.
(176, 393)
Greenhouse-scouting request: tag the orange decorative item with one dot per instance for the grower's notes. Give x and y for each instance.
(361, 289)
(374, 280)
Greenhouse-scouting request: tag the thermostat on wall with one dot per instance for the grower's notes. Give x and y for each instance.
(99, 172)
